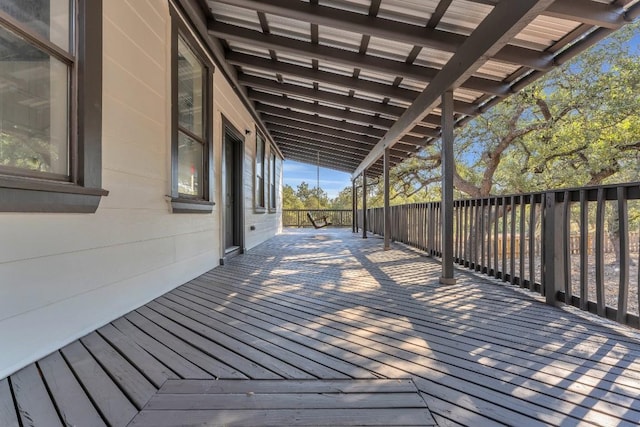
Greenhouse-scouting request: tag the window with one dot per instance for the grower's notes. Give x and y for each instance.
(260, 183)
(51, 105)
(272, 183)
(191, 162)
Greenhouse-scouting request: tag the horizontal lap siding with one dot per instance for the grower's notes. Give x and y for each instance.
(56, 269)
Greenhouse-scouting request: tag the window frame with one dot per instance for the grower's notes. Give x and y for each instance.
(273, 202)
(81, 192)
(260, 191)
(180, 202)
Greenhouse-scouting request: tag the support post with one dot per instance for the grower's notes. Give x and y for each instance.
(354, 207)
(387, 212)
(553, 259)
(447, 189)
(364, 204)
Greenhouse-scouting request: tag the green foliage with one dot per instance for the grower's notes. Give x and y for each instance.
(289, 198)
(304, 197)
(577, 126)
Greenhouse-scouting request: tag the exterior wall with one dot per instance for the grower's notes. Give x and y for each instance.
(63, 275)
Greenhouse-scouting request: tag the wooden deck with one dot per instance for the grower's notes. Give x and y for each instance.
(328, 305)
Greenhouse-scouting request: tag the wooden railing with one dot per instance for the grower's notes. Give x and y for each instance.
(576, 246)
(298, 217)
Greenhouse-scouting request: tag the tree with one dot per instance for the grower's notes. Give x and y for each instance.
(289, 198)
(304, 197)
(343, 200)
(577, 126)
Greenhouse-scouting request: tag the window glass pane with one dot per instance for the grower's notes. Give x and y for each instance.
(259, 171)
(34, 108)
(190, 166)
(272, 180)
(190, 94)
(259, 156)
(49, 18)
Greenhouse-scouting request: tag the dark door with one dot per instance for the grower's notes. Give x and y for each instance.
(232, 192)
(229, 201)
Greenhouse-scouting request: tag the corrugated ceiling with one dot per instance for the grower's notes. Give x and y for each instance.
(330, 77)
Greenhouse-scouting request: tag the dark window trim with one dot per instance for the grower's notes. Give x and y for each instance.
(273, 195)
(84, 192)
(182, 203)
(260, 208)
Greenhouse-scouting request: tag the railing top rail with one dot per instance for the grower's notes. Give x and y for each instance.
(609, 192)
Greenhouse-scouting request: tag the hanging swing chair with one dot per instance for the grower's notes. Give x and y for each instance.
(323, 221)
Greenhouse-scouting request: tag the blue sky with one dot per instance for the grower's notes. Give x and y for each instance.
(330, 181)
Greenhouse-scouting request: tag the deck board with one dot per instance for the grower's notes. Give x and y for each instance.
(8, 415)
(287, 402)
(325, 307)
(73, 404)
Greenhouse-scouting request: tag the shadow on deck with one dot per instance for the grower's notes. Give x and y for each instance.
(326, 304)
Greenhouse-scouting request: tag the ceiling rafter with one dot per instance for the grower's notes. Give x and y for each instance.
(335, 98)
(592, 13)
(366, 86)
(319, 133)
(345, 57)
(389, 29)
(263, 98)
(309, 73)
(333, 123)
(505, 21)
(341, 150)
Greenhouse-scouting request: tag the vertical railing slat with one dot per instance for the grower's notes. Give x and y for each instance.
(522, 239)
(489, 235)
(623, 233)
(566, 245)
(532, 243)
(482, 235)
(600, 303)
(584, 251)
(503, 275)
(512, 243)
(496, 254)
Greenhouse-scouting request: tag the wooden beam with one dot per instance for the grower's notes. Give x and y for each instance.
(320, 129)
(316, 144)
(269, 111)
(334, 98)
(311, 135)
(504, 22)
(423, 128)
(388, 29)
(335, 127)
(588, 12)
(349, 82)
(325, 161)
(344, 57)
(336, 155)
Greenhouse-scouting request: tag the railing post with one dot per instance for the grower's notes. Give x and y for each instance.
(386, 214)
(448, 166)
(553, 260)
(364, 204)
(354, 206)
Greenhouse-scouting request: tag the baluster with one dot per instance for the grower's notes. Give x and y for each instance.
(512, 243)
(600, 303)
(522, 239)
(566, 242)
(584, 251)
(623, 232)
(532, 243)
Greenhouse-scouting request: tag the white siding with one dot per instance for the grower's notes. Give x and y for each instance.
(62, 275)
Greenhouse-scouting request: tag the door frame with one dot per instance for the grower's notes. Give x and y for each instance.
(229, 129)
